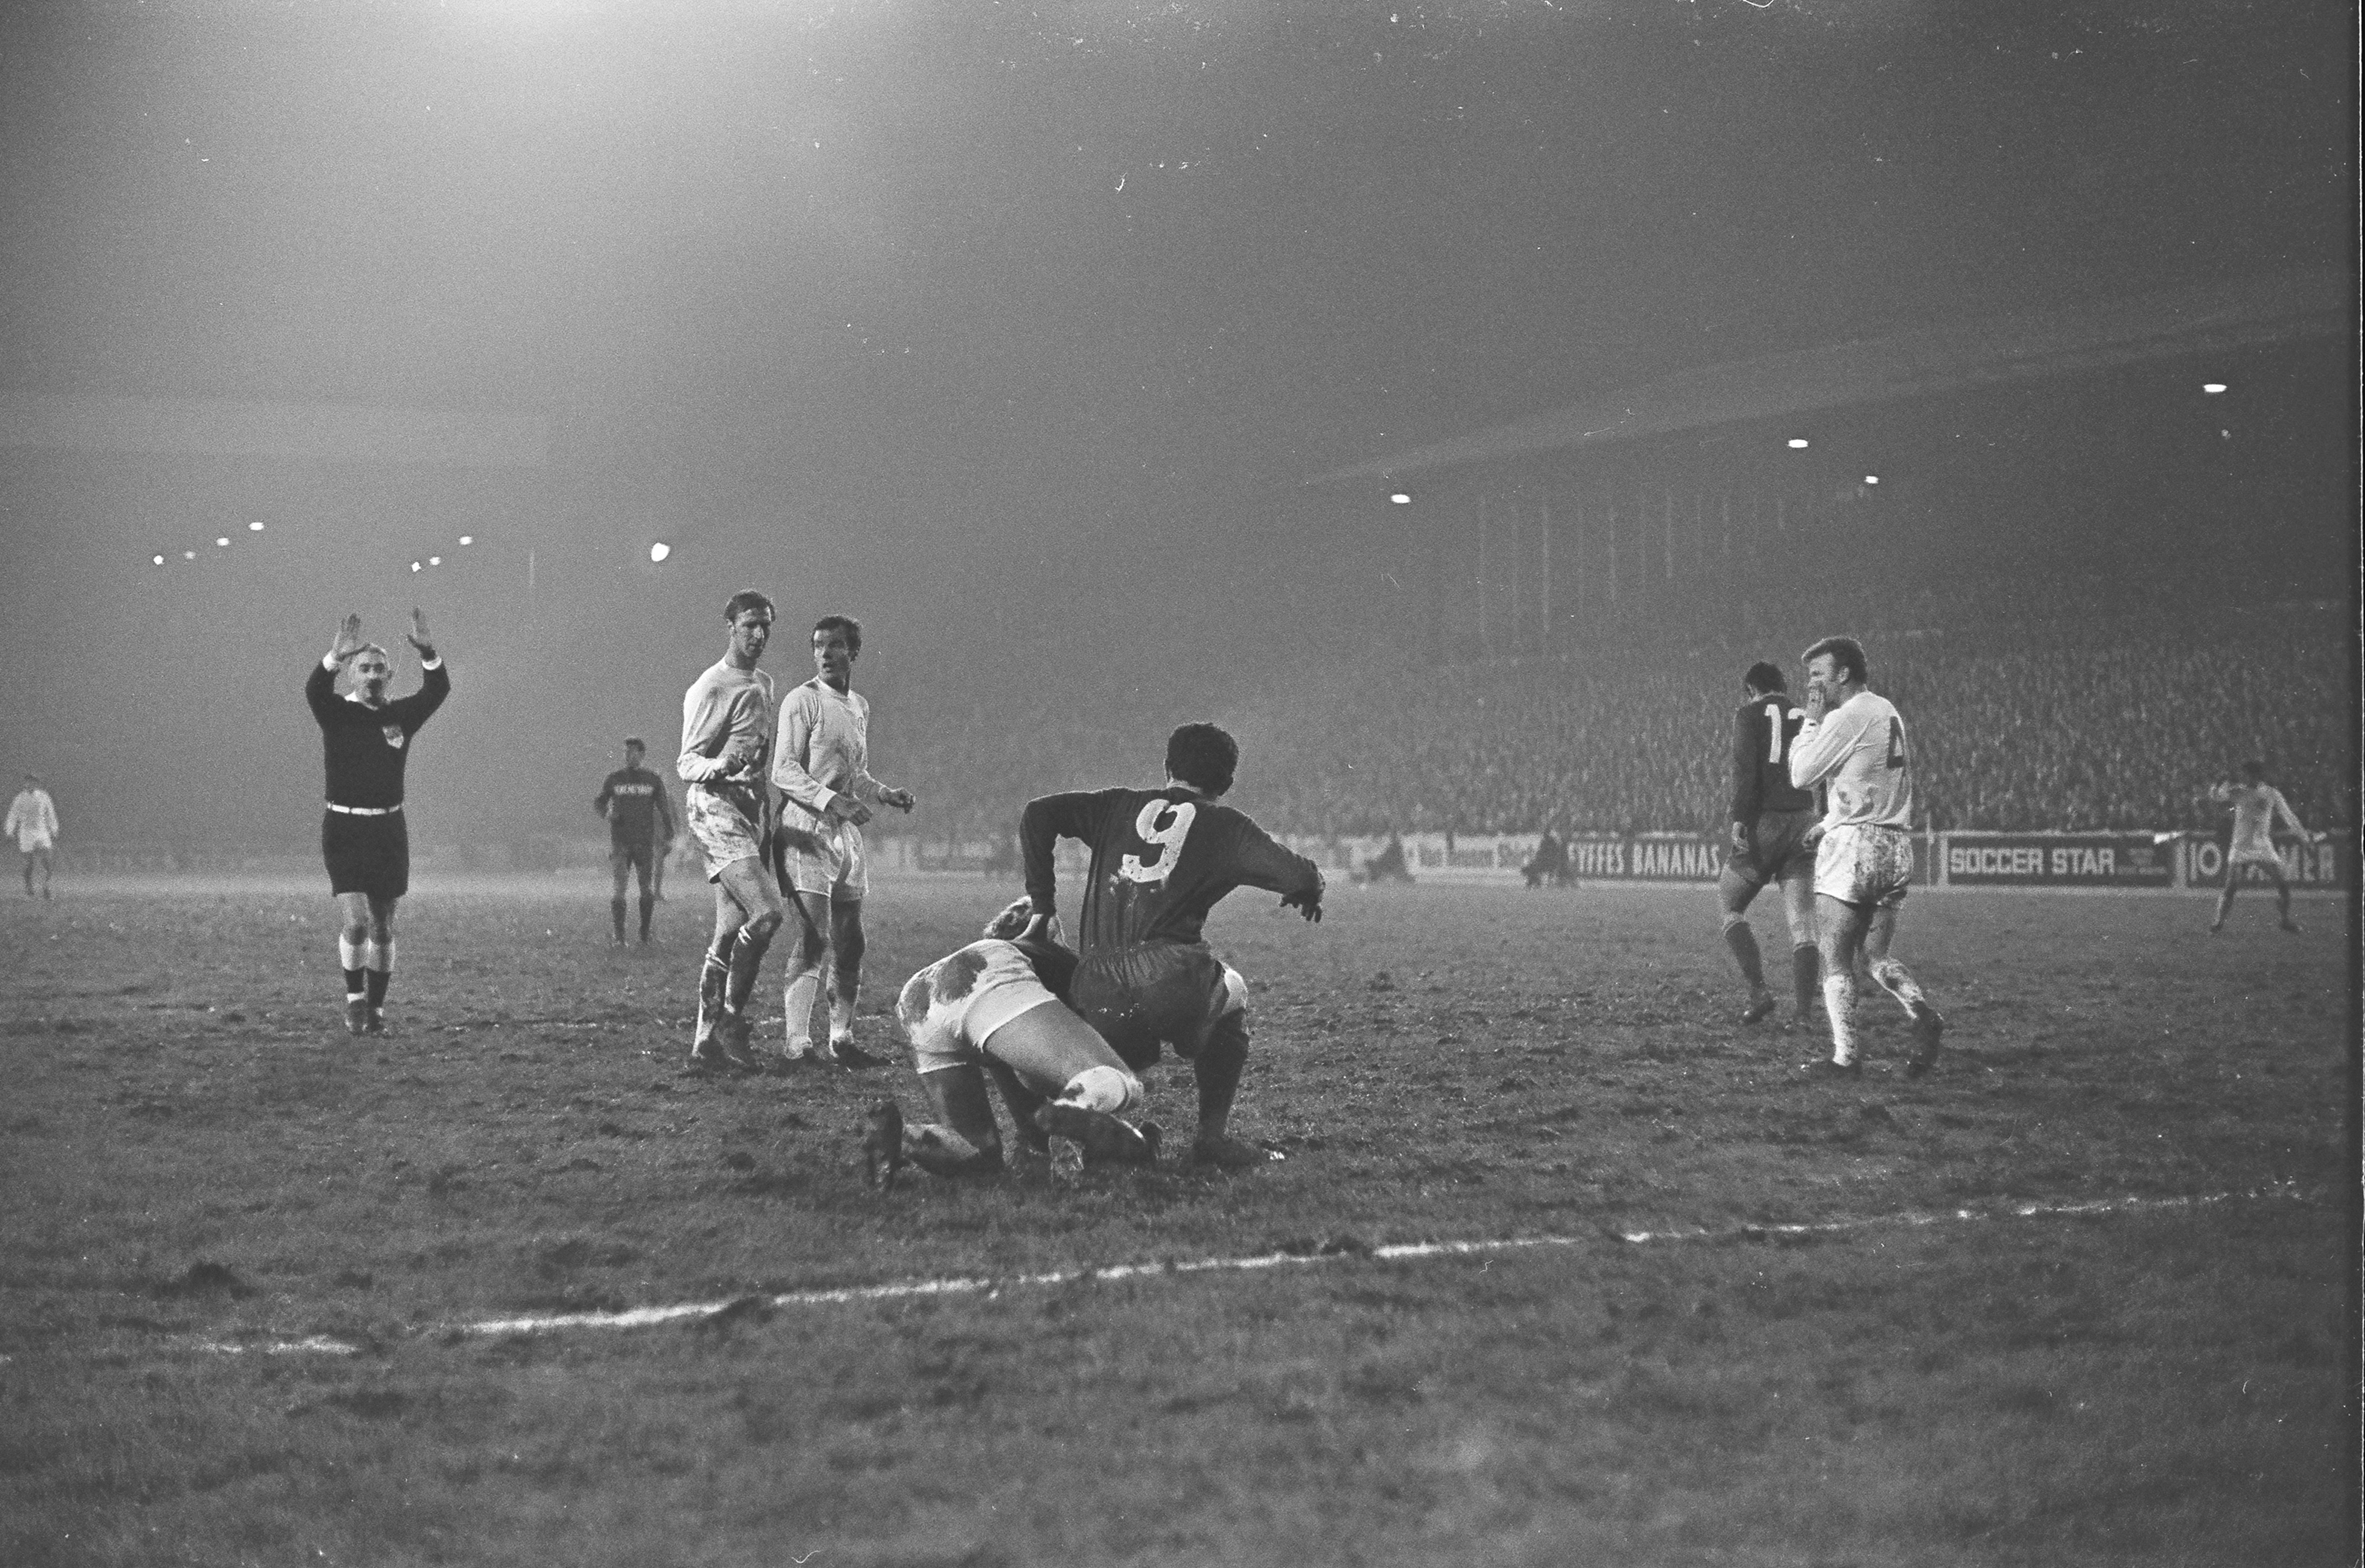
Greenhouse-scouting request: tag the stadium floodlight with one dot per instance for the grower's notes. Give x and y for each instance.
(1400, 497)
(188, 554)
(434, 560)
(254, 528)
(467, 539)
(223, 543)
(2212, 387)
(414, 566)
(159, 560)
(1797, 443)
(661, 550)
(1872, 478)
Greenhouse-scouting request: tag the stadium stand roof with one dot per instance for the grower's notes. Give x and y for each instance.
(2024, 347)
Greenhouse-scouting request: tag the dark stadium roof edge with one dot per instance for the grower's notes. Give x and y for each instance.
(2026, 346)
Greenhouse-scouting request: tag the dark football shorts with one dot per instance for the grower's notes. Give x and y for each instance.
(623, 856)
(1778, 845)
(366, 854)
(1137, 997)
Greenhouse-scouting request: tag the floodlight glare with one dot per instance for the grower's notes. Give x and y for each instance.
(223, 542)
(159, 560)
(254, 528)
(414, 566)
(2212, 387)
(1797, 443)
(188, 554)
(1400, 499)
(1872, 478)
(434, 560)
(467, 539)
(660, 551)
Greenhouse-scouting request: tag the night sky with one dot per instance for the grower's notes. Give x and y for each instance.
(1012, 329)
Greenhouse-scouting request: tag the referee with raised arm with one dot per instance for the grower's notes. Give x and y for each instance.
(365, 741)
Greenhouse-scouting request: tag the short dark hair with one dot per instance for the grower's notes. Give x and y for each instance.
(1848, 651)
(1766, 675)
(745, 601)
(2254, 770)
(631, 741)
(1203, 755)
(846, 623)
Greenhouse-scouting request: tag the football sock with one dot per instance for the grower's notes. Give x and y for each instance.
(798, 997)
(1900, 984)
(354, 985)
(1217, 1068)
(841, 1017)
(616, 917)
(714, 978)
(747, 957)
(648, 906)
(1743, 942)
(1806, 976)
(350, 957)
(376, 979)
(1839, 1001)
(1107, 1089)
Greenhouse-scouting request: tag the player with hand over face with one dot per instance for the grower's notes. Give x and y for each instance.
(1853, 740)
(1771, 839)
(1161, 860)
(364, 741)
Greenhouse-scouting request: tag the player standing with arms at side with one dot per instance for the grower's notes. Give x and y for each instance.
(1769, 839)
(365, 741)
(640, 821)
(2259, 809)
(1854, 739)
(726, 748)
(33, 824)
(822, 769)
(1161, 860)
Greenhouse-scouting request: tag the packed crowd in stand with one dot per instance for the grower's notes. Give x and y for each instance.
(2057, 723)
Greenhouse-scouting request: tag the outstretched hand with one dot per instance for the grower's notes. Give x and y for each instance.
(417, 636)
(1307, 904)
(349, 640)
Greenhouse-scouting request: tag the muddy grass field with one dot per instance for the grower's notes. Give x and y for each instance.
(2084, 1294)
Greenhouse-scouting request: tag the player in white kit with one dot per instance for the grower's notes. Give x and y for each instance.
(2259, 809)
(1853, 740)
(822, 767)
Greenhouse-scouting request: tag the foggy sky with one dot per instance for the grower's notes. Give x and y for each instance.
(1009, 328)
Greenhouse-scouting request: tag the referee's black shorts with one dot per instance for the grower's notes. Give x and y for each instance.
(366, 854)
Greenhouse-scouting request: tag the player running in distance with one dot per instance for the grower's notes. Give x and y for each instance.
(726, 750)
(994, 1008)
(364, 741)
(1853, 740)
(1161, 860)
(822, 767)
(2259, 809)
(1770, 839)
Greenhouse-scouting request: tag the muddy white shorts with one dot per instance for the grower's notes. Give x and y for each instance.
(1860, 864)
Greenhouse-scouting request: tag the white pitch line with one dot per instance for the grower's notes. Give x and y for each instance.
(990, 1285)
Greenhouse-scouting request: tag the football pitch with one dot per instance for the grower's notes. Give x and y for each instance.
(271, 1295)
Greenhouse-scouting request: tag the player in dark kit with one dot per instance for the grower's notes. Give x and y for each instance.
(1161, 860)
(640, 818)
(1772, 837)
(365, 740)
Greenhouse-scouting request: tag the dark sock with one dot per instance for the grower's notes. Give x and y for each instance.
(647, 904)
(1807, 978)
(1218, 1067)
(377, 979)
(353, 982)
(1743, 942)
(616, 917)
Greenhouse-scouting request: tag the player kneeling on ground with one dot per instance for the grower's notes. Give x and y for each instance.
(1161, 860)
(991, 1009)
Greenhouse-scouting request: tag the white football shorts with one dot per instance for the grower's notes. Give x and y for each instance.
(823, 858)
(724, 825)
(1860, 864)
(951, 1009)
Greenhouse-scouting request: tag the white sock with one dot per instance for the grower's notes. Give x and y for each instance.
(1839, 1001)
(1898, 983)
(802, 989)
(1107, 1089)
(841, 1018)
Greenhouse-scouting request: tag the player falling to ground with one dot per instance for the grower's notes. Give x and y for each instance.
(33, 824)
(1161, 860)
(822, 767)
(994, 1008)
(1770, 839)
(365, 741)
(726, 749)
(640, 821)
(2259, 809)
(1853, 740)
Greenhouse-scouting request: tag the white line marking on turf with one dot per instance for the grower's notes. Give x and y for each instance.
(992, 1285)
